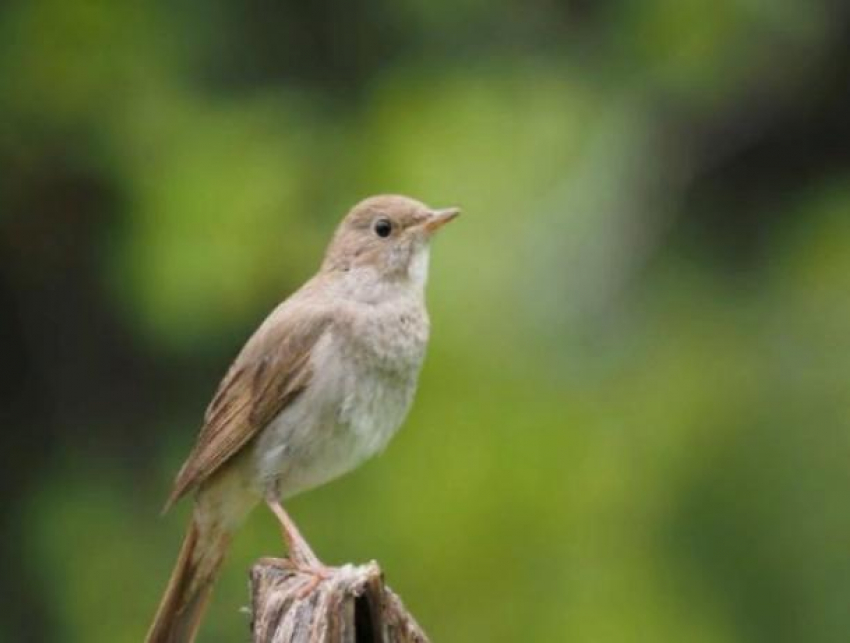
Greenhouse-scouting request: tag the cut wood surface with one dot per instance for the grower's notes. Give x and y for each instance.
(352, 605)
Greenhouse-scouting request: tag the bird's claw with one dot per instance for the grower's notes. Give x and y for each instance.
(318, 573)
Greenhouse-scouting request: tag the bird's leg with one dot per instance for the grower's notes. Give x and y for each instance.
(300, 553)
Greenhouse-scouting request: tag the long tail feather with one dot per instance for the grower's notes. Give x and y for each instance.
(180, 610)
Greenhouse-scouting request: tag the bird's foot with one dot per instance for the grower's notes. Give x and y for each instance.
(317, 573)
(297, 565)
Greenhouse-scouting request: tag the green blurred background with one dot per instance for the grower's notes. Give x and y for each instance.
(634, 421)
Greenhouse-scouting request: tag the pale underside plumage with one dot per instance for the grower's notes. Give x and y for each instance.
(358, 396)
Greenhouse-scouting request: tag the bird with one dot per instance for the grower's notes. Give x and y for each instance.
(323, 384)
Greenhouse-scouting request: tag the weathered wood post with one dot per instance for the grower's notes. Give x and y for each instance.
(353, 605)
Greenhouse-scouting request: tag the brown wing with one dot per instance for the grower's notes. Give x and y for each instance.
(271, 371)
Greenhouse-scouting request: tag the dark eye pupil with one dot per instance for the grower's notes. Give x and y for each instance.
(383, 228)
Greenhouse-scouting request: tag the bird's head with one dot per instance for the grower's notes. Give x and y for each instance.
(386, 237)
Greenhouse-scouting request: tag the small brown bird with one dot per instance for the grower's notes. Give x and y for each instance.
(323, 384)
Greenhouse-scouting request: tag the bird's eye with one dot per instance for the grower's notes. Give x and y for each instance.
(383, 227)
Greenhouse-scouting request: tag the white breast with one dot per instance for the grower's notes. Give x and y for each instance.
(364, 379)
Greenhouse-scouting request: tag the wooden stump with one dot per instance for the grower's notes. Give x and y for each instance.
(351, 606)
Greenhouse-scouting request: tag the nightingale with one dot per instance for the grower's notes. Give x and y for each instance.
(321, 385)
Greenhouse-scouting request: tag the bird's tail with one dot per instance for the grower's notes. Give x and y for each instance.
(182, 606)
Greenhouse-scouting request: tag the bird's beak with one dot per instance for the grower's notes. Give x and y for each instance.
(439, 218)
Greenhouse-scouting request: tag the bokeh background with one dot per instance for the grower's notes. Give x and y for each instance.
(634, 421)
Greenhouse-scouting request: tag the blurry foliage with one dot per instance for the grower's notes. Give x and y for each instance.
(619, 436)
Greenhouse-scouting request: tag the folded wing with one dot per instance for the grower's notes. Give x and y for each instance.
(272, 370)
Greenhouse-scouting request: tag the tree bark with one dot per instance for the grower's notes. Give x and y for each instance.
(352, 605)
